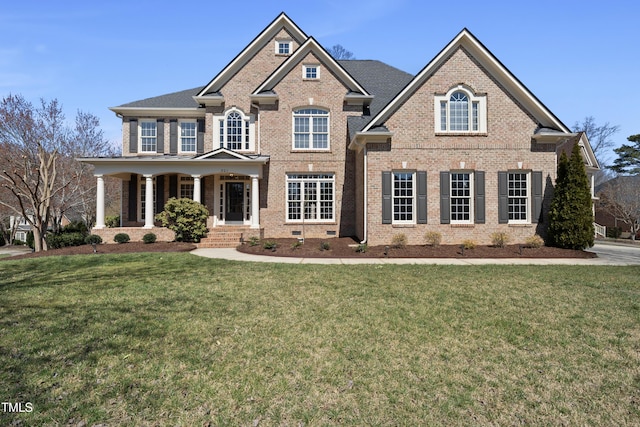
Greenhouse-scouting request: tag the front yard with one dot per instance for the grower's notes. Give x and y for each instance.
(174, 339)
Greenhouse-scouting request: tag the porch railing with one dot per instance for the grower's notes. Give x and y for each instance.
(600, 230)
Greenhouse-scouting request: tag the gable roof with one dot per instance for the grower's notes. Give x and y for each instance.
(174, 102)
(282, 21)
(491, 64)
(311, 46)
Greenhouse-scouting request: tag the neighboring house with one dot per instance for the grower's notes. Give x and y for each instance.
(630, 187)
(19, 227)
(285, 141)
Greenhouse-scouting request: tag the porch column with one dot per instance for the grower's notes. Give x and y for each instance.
(255, 202)
(196, 188)
(148, 201)
(100, 202)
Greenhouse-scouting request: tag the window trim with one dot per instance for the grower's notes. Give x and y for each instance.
(306, 68)
(317, 178)
(155, 136)
(186, 182)
(395, 197)
(288, 43)
(248, 131)
(297, 113)
(528, 197)
(471, 197)
(479, 100)
(180, 136)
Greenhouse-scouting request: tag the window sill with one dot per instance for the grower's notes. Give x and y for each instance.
(403, 225)
(522, 225)
(311, 150)
(462, 225)
(461, 134)
(310, 222)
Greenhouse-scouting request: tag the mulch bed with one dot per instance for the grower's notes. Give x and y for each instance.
(112, 248)
(345, 247)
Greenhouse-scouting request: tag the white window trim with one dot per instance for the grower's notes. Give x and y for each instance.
(481, 100)
(140, 150)
(309, 177)
(529, 204)
(413, 197)
(310, 116)
(220, 122)
(304, 71)
(185, 181)
(471, 197)
(287, 42)
(180, 122)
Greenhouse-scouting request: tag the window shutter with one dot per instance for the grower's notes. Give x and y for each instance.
(159, 193)
(160, 136)
(133, 135)
(386, 198)
(503, 198)
(133, 197)
(202, 192)
(173, 186)
(173, 136)
(422, 197)
(200, 144)
(479, 202)
(445, 207)
(536, 185)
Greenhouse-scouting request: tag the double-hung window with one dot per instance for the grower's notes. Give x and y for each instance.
(518, 196)
(461, 197)
(310, 129)
(403, 197)
(148, 136)
(460, 111)
(310, 197)
(188, 135)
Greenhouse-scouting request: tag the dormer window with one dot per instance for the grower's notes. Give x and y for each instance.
(310, 72)
(460, 111)
(283, 47)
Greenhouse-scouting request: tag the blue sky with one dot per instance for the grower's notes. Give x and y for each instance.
(580, 58)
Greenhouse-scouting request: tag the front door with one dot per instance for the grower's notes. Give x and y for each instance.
(234, 201)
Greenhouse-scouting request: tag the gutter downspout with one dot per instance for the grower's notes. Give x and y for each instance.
(366, 200)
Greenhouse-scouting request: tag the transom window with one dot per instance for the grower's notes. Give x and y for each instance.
(311, 72)
(148, 136)
(235, 131)
(461, 197)
(310, 197)
(403, 197)
(461, 111)
(188, 135)
(310, 129)
(518, 196)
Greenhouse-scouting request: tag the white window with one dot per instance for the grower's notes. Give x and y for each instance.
(188, 136)
(236, 131)
(460, 111)
(148, 136)
(310, 72)
(518, 196)
(310, 197)
(283, 47)
(186, 187)
(403, 197)
(461, 197)
(310, 129)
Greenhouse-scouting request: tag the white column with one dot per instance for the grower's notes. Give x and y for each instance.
(196, 188)
(255, 203)
(148, 194)
(100, 202)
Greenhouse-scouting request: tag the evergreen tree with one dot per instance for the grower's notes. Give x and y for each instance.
(570, 214)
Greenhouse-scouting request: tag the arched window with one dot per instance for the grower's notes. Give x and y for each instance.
(236, 131)
(461, 111)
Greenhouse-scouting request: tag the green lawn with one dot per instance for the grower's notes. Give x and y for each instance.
(174, 339)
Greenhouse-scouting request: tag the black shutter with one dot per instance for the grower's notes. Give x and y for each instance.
(479, 202)
(386, 198)
(133, 197)
(133, 135)
(173, 186)
(159, 193)
(173, 136)
(422, 197)
(536, 185)
(200, 144)
(503, 198)
(160, 136)
(445, 192)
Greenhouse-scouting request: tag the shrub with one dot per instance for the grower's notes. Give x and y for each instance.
(75, 227)
(93, 239)
(269, 244)
(149, 238)
(254, 241)
(534, 241)
(18, 242)
(186, 217)
(399, 241)
(30, 240)
(2, 240)
(469, 244)
(63, 240)
(499, 239)
(121, 238)
(112, 221)
(296, 245)
(614, 232)
(362, 248)
(325, 246)
(432, 238)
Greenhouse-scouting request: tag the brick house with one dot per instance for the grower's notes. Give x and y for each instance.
(286, 141)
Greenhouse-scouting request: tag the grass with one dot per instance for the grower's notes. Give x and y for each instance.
(173, 339)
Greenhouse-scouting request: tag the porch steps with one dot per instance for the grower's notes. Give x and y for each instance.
(224, 237)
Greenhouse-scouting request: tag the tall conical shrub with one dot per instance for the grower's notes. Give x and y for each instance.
(570, 213)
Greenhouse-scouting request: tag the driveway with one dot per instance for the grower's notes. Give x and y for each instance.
(617, 253)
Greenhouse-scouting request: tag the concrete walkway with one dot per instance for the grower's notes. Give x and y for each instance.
(605, 257)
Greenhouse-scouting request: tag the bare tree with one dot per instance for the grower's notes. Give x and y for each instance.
(339, 52)
(600, 137)
(621, 198)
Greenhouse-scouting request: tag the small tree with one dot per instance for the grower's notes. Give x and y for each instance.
(570, 213)
(186, 217)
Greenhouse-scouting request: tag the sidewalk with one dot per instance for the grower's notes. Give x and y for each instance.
(234, 255)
